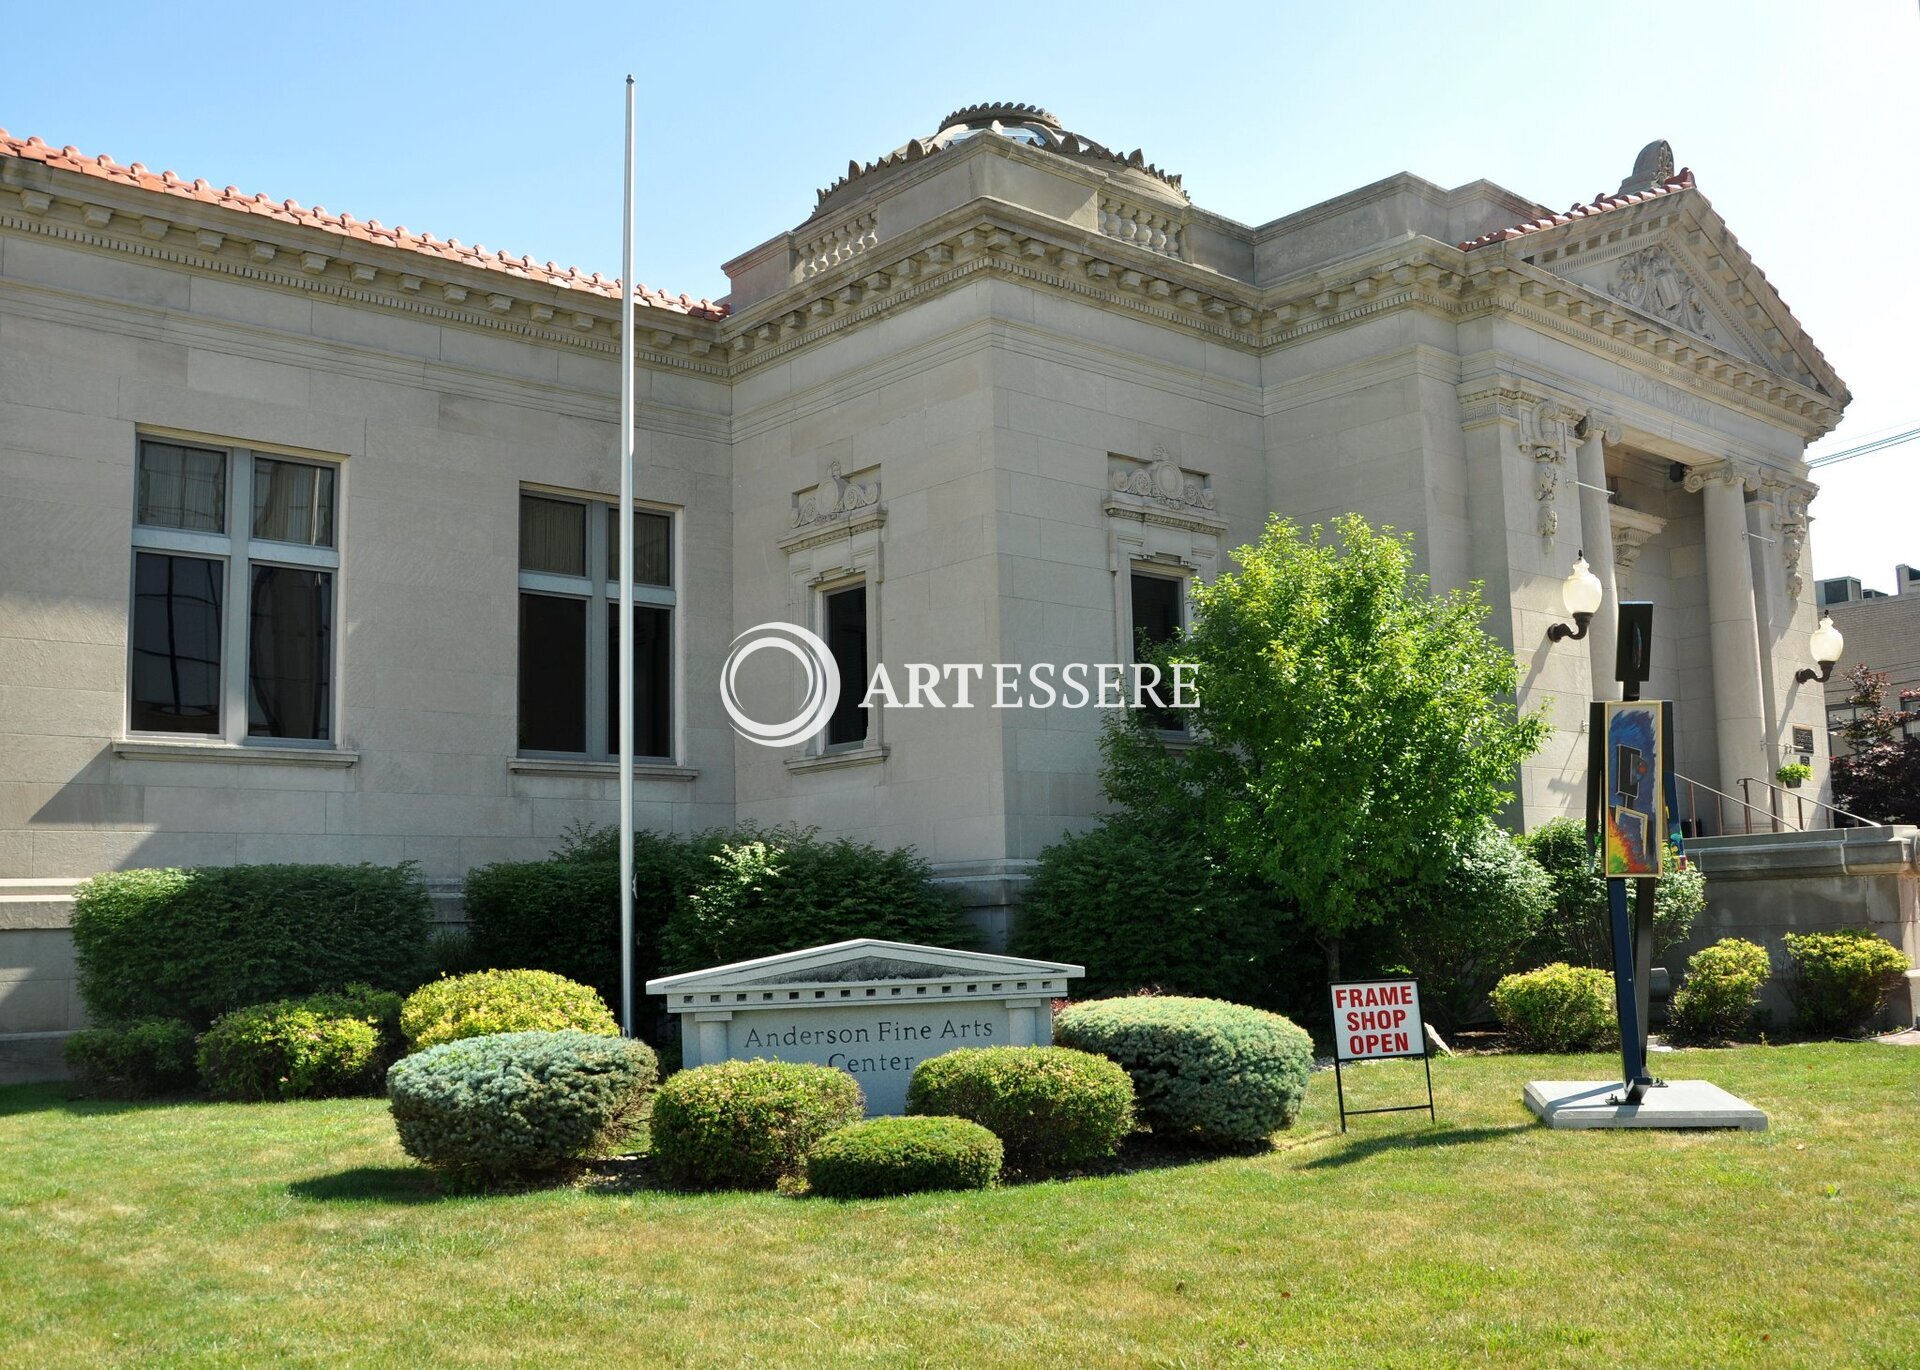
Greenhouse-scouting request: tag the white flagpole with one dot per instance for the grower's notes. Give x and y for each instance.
(626, 584)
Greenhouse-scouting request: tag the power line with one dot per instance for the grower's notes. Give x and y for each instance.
(1878, 444)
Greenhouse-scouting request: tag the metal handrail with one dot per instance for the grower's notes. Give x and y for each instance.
(1800, 800)
(1771, 819)
(1720, 800)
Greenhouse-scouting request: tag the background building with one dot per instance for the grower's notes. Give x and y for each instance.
(1882, 632)
(305, 526)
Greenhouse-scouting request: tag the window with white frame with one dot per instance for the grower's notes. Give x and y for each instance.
(234, 567)
(570, 628)
(1157, 605)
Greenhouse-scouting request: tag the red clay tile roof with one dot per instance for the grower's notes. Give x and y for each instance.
(1600, 205)
(366, 230)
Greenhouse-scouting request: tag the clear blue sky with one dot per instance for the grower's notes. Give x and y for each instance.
(501, 125)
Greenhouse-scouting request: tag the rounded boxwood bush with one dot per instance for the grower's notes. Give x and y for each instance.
(747, 1124)
(494, 1001)
(320, 1046)
(887, 1156)
(518, 1106)
(1558, 1008)
(1841, 980)
(143, 1057)
(1052, 1108)
(1715, 1001)
(1222, 1073)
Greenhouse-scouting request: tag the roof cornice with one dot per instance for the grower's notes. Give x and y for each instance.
(983, 236)
(103, 170)
(128, 220)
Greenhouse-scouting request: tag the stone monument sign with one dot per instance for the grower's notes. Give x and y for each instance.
(873, 1009)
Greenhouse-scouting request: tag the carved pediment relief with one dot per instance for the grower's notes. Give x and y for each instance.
(1160, 481)
(836, 497)
(1661, 281)
(1654, 283)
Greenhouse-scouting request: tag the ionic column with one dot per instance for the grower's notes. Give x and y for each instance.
(1733, 627)
(1596, 536)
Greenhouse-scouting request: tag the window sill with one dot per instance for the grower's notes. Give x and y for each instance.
(833, 761)
(642, 770)
(139, 749)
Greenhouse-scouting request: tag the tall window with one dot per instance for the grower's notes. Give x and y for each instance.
(1157, 618)
(570, 629)
(844, 612)
(233, 594)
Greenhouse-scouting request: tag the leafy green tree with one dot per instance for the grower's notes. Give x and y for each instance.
(1350, 725)
(1879, 778)
(1463, 925)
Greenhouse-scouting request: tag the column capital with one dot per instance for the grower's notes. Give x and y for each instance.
(1631, 531)
(1727, 471)
(1595, 424)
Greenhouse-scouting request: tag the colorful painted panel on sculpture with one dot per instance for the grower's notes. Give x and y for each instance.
(1635, 797)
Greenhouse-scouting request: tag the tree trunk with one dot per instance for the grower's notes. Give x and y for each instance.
(1332, 948)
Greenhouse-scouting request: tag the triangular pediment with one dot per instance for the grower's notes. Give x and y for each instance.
(864, 961)
(1673, 261)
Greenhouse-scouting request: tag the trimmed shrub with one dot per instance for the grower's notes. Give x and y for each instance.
(1468, 921)
(887, 1156)
(747, 1124)
(1053, 1108)
(195, 944)
(318, 1047)
(1716, 1000)
(1224, 1074)
(1138, 905)
(494, 1001)
(1558, 1008)
(563, 914)
(518, 1106)
(1840, 981)
(1577, 927)
(782, 890)
(145, 1057)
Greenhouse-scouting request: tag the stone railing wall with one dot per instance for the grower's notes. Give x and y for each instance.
(1148, 228)
(842, 243)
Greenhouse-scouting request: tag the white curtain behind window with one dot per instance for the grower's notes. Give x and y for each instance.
(292, 502)
(553, 536)
(652, 548)
(182, 487)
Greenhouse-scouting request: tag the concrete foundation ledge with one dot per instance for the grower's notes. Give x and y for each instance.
(1891, 850)
(1676, 1104)
(28, 1058)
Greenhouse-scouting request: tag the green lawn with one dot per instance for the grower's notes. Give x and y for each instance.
(298, 1233)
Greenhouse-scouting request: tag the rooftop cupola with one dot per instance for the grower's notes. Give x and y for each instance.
(1028, 125)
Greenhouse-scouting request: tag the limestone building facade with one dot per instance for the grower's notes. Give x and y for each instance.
(304, 520)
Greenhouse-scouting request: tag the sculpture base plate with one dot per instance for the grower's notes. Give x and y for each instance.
(1676, 1104)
